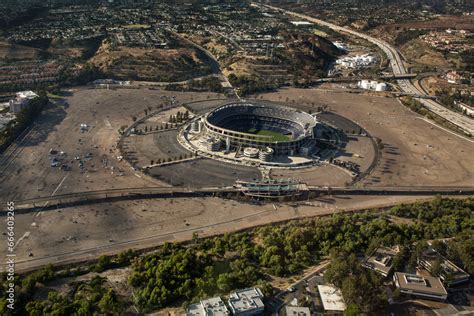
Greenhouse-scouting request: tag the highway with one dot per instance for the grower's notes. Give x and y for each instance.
(463, 122)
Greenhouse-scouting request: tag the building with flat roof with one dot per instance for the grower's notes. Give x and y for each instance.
(423, 287)
(211, 307)
(246, 302)
(450, 273)
(295, 311)
(21, 101)
(332, 298)
(381, 260)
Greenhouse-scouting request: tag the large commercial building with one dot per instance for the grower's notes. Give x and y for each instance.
(246, 302)
(332, 299)
(423, 287)
(211, 307)
(381, 260)
(21, 101)
(295, 311)
(450, 273)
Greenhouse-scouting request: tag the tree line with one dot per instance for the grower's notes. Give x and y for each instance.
(185, 273)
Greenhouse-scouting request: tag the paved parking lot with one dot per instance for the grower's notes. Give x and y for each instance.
(161, 145)
(204, 173)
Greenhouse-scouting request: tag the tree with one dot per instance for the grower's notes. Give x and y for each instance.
(353, 310)
(396, 295)
(436, 268)
(340, 267)
(108, 303)
(225, 282)
(102, 264)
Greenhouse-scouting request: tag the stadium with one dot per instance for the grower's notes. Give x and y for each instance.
(262, 126)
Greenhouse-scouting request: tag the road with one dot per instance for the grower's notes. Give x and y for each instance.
(463, 122)
(297, 289)
(59, 201)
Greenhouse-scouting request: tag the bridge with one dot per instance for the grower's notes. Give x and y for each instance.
(357, 78)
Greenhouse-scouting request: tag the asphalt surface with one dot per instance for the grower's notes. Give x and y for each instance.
(204, 173)
(168, 145)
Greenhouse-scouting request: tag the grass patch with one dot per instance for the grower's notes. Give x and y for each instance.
(277, 137)
(54, 96)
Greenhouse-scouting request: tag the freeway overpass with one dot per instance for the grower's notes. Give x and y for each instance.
(463, 122)
(126, 194)
(355, 79)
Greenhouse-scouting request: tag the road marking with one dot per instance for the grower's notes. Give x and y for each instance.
(59, 185)
(54, 192)
(25, 235)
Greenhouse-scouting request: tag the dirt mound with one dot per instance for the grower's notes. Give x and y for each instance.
(419, 52)
(15, 52)
(151, 64)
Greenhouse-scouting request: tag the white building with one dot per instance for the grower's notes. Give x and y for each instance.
(211, 307)
(356, 62)
(246, 302)
(372, 85)
(332, 298)
(296, 311)
(21, 101)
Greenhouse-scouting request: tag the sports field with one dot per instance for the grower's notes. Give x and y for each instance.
(277, 137)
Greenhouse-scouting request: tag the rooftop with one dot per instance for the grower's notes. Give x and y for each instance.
(429, 285)
(381, 260)
(211, 307)
(448, 268)
(332, 298)
(297, 311)
(246, 300)
(26, 95)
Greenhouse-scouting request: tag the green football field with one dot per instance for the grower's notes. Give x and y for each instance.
(277, 137)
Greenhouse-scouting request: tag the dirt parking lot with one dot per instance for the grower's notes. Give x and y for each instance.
(324, 175)
(29, 174)
(86, 232)
(415, 152)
